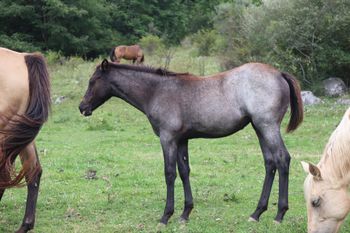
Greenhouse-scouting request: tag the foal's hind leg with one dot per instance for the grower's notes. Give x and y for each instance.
(271, 135)
(282, 163)
(30, 154)
(270, 170)
(184, 171)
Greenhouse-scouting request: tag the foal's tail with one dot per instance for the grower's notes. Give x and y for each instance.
(142, 58)
(296, 103)
(112, 54)
(21, 130)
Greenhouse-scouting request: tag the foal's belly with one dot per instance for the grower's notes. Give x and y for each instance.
(217, 127)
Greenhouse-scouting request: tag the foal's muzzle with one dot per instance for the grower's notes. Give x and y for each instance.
(85, 109)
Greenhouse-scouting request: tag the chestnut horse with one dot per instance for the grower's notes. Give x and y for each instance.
(132, 52)
(24, 107)
(327, 184)
(183, 106)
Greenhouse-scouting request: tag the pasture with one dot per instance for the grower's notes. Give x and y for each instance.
(127, 194)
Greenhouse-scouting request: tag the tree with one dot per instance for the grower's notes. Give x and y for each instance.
(307, 38)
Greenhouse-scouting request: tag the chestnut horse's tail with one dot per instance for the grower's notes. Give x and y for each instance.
(142, 58)
(112, 54)
(296, 103)
(21, 130)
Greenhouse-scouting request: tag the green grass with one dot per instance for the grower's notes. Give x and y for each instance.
(129, 193)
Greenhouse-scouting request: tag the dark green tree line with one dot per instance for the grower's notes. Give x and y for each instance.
(91, 27)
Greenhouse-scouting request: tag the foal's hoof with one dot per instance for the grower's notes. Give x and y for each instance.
(160, 227)
(183, 220)
(183, 225)
(251, 219)
(276, 222)
(21, 230)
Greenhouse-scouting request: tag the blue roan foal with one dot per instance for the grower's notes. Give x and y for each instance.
(182, 106)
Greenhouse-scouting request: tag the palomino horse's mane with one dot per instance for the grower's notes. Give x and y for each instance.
(148, 69)
(22, 129)
(335, 163)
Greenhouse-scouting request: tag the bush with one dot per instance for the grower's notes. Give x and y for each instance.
(309, 39)
(53, 58)
(206, 42)
(151, 44)
(18, 42)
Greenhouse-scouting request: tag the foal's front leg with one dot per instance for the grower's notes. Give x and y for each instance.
(29, 154)
(184, 171)
(169, 146)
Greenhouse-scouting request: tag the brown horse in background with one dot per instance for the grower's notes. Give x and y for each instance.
(24, 107)
(132, 52)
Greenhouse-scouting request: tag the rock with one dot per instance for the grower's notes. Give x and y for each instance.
(334, 87)
(343, 101)
(59, 100)
(309, 98)
(91, 174)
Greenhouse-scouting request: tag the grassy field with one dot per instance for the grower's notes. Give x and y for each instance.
(128, 192)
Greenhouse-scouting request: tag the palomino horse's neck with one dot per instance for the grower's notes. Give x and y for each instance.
(335, 163)
(134, 87)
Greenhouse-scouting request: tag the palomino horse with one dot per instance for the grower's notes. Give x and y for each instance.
(182, 106)
(326, 187)
(132, 52)
(24, 107)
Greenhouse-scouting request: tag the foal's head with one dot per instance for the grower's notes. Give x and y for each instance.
(99, 90)
(327, 203)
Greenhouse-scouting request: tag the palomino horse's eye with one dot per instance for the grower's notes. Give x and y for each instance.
(316, 202)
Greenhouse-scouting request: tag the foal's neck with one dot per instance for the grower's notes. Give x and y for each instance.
(134, 87)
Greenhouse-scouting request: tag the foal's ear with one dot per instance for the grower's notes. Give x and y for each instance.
(312, 169)
(104, 65)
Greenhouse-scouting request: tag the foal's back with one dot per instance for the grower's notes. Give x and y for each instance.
(222, 104)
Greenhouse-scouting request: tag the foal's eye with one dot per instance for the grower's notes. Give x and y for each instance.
(316, 202)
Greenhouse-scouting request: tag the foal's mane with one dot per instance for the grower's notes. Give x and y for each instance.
(336, 157)
(149, 69)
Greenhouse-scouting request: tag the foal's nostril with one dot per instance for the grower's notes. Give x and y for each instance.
(81, 107)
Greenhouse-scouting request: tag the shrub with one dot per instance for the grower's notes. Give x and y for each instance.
(306, 38)
(151, 44)
(53, 58)
(206, 42)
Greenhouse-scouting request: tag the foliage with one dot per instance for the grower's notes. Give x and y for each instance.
(200, 14)
(151, 44)
(206, 41)
(73, 27)
(307, 38)
(90, 28)
(53, 57)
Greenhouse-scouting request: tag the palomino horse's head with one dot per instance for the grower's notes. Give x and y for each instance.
(326, 186)
(327, 203)
(99, 90)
